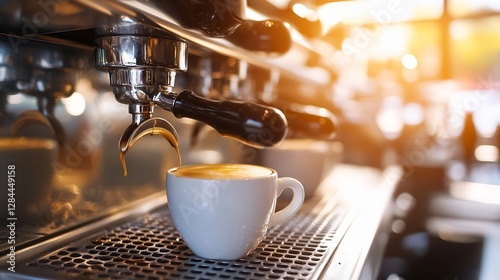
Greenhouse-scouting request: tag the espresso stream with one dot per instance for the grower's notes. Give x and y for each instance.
(151, 131)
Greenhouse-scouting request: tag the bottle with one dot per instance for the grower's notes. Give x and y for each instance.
(468, 138)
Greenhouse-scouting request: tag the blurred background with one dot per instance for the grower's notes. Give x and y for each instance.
(417, 84)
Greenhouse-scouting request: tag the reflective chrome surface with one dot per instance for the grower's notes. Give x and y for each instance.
(54, 93)
(132, 51)
(61, 18)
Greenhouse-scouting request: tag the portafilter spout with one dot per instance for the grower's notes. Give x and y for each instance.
(144, 124)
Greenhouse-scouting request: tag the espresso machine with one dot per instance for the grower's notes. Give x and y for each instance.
(82, 85)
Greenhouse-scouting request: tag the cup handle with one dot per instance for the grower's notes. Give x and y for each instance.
(294, 205)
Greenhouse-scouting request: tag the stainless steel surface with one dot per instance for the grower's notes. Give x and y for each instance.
(224, 47)
(151, 247)
(360, 254)
(58, 95)
(46, 73)
(140, 51)
(26, 18)
(140, 112)
(140, 67)
(327, 239)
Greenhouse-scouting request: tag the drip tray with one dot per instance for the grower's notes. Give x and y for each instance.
(149, 247)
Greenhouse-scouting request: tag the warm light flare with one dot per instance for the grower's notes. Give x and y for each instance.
(409, 61)
(391, 43)
(15, 98)
(75, 104)
(335, 12)
(476, 191)
(304, 12)
(390, 123)
(413, 114)
(486, 153)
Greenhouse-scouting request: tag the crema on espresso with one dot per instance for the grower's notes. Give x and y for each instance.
(222, 171)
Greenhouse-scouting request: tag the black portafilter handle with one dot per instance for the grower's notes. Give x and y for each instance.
(308, 121)
(227, 19)
(269, 36)
(253, 124)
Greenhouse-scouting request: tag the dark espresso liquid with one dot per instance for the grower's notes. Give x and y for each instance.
(222, 171)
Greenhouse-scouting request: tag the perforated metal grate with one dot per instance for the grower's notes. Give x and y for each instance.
(151, 248)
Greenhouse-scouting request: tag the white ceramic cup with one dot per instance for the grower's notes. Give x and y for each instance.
(32, 161)
(307, 160)
(223, 211)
